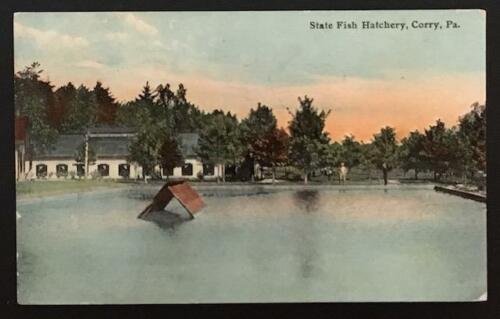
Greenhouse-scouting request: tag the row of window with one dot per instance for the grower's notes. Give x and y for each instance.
(123, 170)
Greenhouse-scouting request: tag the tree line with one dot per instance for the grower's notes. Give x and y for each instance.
(159, 114)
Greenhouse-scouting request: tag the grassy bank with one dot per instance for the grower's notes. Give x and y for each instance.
(45, 188)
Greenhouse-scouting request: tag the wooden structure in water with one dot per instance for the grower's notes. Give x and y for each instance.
(180, 190)
(469, 195)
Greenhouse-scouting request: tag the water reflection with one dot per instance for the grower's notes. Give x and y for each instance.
(307, 200)
(166, 220)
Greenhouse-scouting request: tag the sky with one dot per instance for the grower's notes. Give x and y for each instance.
(369, 78)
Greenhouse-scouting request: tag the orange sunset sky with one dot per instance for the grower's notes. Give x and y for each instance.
(369, 78)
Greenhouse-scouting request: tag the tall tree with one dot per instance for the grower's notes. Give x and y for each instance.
(152, 131)
(259, 123)
(33, 98)
(308, 140)
(411, 153)
(351, 153)
(169, 154)
(81, 111)
(472, 139)
(219, 142)
(255, 129)
(147, 95)
(107, 106)
(439, 149)
(64, 96)
(165, 95)
(272, 149)
(385, 150)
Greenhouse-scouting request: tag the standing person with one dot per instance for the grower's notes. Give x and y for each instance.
(384, 171)
(342, 173)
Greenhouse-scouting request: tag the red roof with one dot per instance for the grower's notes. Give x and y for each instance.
(181, 190)
(21, 127)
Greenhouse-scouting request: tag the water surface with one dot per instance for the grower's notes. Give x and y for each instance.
(401, 244)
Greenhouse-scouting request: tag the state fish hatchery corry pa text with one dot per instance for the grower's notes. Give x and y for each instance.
(352, 25)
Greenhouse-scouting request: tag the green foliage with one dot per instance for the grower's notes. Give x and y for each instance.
(272, 149)
(107, 107)
(159, 114)
(33, 98)
(220, 140)
(259, 123)
(63, 97)
(384, 152)
(440, 148)
(472, 138)
(351, 152)
(308, 141)
(169, 154)
(411, 153)
(81, 111)
(152, 134)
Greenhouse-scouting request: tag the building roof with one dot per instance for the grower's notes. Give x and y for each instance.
(106, 146)
(67, 145)
(188, 144)
(64, 147)
(108, 129)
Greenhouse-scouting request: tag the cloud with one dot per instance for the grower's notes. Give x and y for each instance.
(48, 37)
(117, 36)
(89, 64)
(138, 24)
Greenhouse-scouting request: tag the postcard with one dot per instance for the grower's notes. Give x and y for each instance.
(250, 156)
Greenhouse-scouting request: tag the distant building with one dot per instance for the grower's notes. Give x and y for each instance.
(110, 147)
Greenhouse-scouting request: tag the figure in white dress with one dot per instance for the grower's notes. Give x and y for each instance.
(342, 173)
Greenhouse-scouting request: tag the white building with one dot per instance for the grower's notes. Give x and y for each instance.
(110, 147)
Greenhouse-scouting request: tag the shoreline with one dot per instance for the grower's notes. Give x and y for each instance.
(248, 188)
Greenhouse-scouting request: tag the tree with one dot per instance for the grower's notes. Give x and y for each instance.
(64, 96)
(260, 125)
(33, 98)
(165, 95)
(367, 161)
(351, 153)
(219, 141)
(385, 150)
(81, 111)
(271, 150)
(308, 141)
(439, 149)
(472, 139)
(146, 95)
(107, 107)
(411, 153)
(143, 150)
(169, 154)
(152, 131)
(332, 158)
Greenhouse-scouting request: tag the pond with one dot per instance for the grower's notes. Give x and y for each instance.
(402, 243)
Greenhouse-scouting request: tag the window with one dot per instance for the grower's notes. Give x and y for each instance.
(80, 169)
(208, 169)
(187, 169)
(41, 170)
(61, 170)
(103, 169)
(168, 171)
(124, 170)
